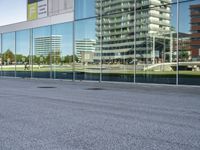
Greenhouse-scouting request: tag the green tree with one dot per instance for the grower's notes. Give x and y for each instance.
(8, 57)
(19, 58)
(183, 55)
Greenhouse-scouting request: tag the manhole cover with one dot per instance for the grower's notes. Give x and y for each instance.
(46, 87)
(95, 89)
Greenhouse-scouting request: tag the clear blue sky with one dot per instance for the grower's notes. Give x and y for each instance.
(12, 11)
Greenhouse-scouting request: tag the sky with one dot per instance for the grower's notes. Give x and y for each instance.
(12, 11)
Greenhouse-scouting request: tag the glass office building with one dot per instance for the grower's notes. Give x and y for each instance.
(135, 41)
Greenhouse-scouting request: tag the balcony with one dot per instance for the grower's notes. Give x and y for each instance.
(195, 20)
(195, 42)
(195, 35)
(195, 28)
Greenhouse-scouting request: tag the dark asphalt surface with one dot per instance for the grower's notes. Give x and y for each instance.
(93, 116)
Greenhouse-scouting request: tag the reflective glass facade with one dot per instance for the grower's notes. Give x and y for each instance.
(147, 41)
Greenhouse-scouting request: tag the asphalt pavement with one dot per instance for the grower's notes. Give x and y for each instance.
(65, 115)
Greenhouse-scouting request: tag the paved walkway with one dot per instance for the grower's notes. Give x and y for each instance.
(63, 115)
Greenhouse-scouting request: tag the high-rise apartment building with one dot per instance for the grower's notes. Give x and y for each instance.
(85, 50)
(195, 29)
(45, 46)
(115, 29)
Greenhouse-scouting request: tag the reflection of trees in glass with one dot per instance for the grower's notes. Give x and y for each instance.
(183, 55)
(55, 58)
(69, 59)
(21, 59)
(8, 57)
(40, 59)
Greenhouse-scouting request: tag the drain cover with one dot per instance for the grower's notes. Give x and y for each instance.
(95, 89)
(46, 87)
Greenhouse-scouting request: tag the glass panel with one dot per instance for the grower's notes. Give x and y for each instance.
(8, 52)
(62, 51)
(42, 44)
(155, 28)
(23, 59)
(117, 40)
(86, 66)
(0, 56)
(84, 8)
(189, 43)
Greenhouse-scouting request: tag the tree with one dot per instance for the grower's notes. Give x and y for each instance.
(183, 55)
(19, 58)
(69, 59)
(8, 57)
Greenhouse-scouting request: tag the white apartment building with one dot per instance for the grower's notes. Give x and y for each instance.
(85, 50)
(115, 29)
(47, 45)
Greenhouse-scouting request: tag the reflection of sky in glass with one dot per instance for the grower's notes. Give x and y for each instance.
(84, 8)
(22, 42)
(184, 17)
(0, 43)
(40, 32)
(8, 41)
(85, 29)
(65, 30)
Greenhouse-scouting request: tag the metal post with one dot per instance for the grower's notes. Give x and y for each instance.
(100, 43)
(51, 52)
(177, 50)
(73, 67)
(135, 41)
(171, 46)
(146, 59)
(2, 70)
(153, 52)
(15, 55)
(164, 51)
(31, 51)
(73, 34)
(1, 54)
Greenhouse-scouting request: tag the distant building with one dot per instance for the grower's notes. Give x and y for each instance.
(47, 45)
(195, 29)
(85, 50)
